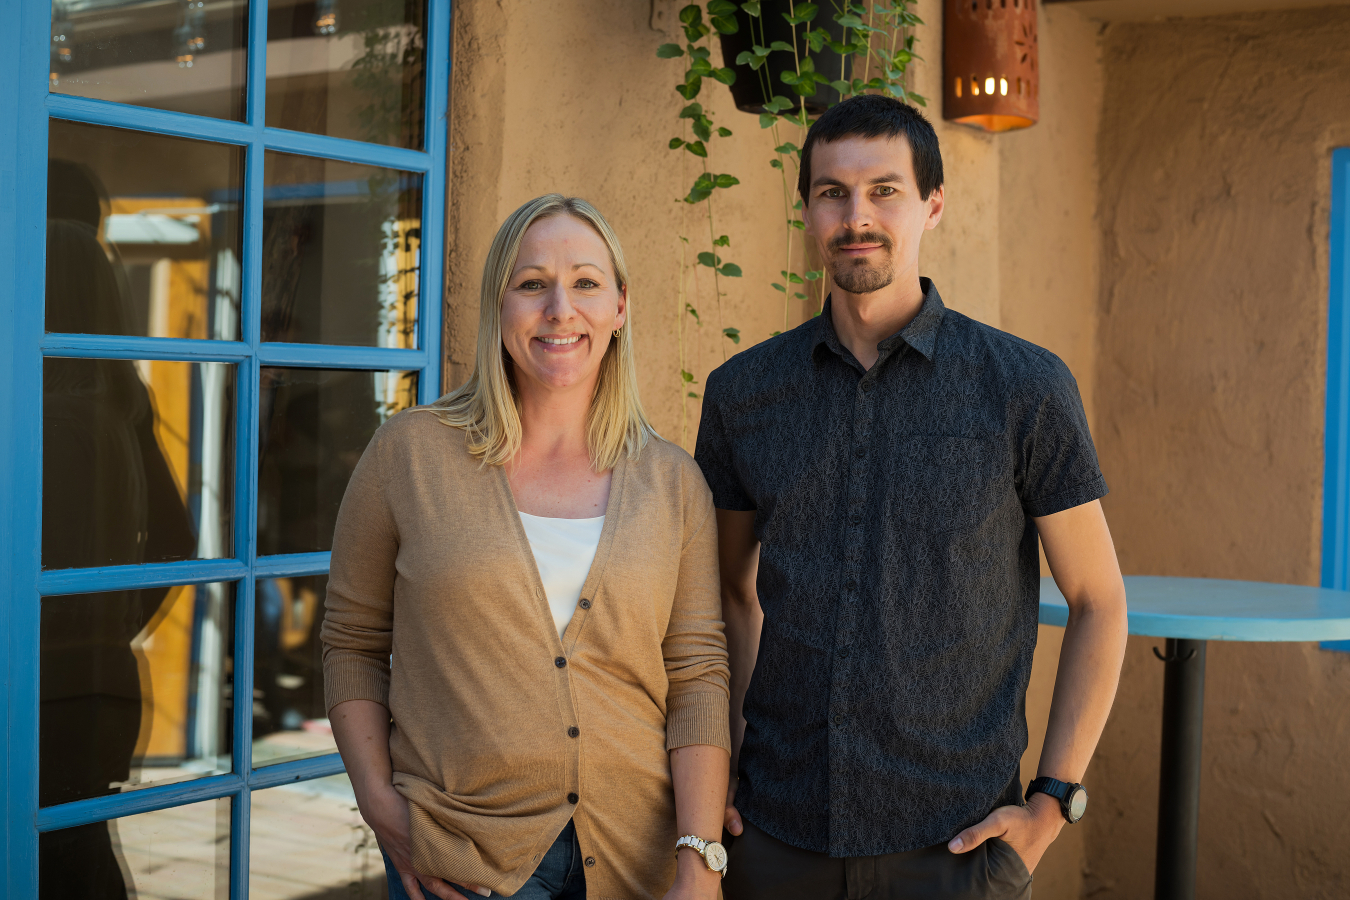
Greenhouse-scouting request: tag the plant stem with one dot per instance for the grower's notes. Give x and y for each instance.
(717, 284)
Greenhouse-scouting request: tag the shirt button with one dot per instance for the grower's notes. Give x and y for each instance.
(590, 861)
(855, 521)
(560, 662)
(585, 604)
(572, 798)
(843, 653)
(868, 385)
(860, 452)
(574, 731)
(838, 719)
(851, 584)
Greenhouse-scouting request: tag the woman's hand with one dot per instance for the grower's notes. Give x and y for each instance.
(693, 879)
(386, 812)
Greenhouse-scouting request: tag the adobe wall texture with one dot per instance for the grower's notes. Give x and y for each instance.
(1214, 150)
(569, 97)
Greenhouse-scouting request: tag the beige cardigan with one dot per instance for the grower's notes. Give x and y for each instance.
(431, 563)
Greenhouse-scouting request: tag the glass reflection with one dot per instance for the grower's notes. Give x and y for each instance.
(308, 841)
(290, 720)
(348, 69)
(137, 461)
(314, 425)
(135, 689)
(182, 853)
(342, 247)
(183, 55)
(143, 234)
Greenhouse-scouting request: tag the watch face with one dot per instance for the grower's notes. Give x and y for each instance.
(715, 855)
(1077, 804)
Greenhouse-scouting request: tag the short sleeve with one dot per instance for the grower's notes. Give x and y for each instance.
(1057, 459)
(714, 451)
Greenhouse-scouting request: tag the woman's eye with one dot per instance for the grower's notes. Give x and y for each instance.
(587, 284)
(532, 285)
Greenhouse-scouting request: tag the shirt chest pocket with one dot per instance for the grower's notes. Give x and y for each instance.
(945, 483)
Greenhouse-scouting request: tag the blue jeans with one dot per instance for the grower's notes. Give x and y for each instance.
(559, 876)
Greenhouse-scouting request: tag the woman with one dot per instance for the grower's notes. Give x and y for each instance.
(543, 569)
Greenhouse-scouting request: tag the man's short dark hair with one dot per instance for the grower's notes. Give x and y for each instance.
(869, 116)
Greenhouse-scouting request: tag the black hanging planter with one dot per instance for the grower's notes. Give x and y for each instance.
(753, 88)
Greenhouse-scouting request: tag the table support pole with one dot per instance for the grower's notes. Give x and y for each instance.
(1179, 785)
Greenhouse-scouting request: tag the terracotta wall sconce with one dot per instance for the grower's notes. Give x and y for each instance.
(990, 73)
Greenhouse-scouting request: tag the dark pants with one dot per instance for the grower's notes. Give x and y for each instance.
(559, 877)
(761, 867)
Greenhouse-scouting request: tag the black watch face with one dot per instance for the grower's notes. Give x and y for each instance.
(1077, 804)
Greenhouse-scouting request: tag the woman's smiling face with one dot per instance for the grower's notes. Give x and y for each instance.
(561, 306)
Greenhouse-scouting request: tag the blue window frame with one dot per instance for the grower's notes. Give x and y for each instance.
(27, 107)
(1336, 481)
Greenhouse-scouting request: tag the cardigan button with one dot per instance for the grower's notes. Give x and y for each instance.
(560, 662)
(585, 604)
(572, 798)
(590, 861)
(574, 731)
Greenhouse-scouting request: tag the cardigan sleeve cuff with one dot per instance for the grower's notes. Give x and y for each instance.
(355, 677)
(698, 718)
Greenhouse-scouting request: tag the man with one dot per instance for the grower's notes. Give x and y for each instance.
(881, 475)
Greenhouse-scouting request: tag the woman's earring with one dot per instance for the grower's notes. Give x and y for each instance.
(616, 332)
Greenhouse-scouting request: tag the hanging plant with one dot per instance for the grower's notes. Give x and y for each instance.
(786, 62)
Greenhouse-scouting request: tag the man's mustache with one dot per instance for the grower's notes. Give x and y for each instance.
(866, 237)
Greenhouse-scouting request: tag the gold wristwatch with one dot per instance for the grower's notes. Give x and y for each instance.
(713, 853)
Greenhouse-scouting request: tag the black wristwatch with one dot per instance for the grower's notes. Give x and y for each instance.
(1072, 797)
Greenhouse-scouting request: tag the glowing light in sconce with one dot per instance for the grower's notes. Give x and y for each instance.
(989, 85)
(1003, 87)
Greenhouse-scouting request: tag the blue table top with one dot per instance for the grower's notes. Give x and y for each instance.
(1207, 609)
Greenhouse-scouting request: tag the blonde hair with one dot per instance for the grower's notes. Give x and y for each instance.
(486, 406)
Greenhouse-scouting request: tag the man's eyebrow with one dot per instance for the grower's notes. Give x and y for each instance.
(824, 180)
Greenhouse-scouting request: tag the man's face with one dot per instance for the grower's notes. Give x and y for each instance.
(865, 212)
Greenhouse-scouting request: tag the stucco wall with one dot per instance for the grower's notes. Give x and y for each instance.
(1215, 143)
(569, 97)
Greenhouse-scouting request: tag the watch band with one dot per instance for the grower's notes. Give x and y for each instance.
(1069, 796)
(1052, 786)
(713, 853)
(690, 840)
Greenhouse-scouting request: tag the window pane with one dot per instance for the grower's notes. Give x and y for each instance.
(181, 853)
(186, 56)
(342, 246)
(143, 234)
(350, 70)
(308, 841)
(135, 689)
(314, 425)
(137, 461)
(290, 720)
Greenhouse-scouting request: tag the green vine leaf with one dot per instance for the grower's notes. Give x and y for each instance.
(726, 181)
(697, 148)
(693, 312)
(814, 274)
(766, 120)
(733, 333)
(676, 143)
(751, 8)
(724, 132)
(702, 128)
(787, 147)
(726, 76)
(695, 396)
(776, 163)
(688, 377)
(701, 67)
(721, 8)
(778, 287)
(779, 103)
(693, 110)
(669, 51)
(689, 90)
(699, 52)
(723, 241)
(731, 270)
(710, 260)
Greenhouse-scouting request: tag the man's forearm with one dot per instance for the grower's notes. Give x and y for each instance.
(1085, 686)
(744, 620)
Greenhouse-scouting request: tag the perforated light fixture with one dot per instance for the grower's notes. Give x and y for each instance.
(990, 71)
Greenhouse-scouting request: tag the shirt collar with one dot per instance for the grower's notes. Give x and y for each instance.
(920, 334)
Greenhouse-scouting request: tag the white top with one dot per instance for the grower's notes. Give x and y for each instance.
(563, 550)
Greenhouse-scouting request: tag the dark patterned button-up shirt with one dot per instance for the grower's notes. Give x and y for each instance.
(898, 569)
